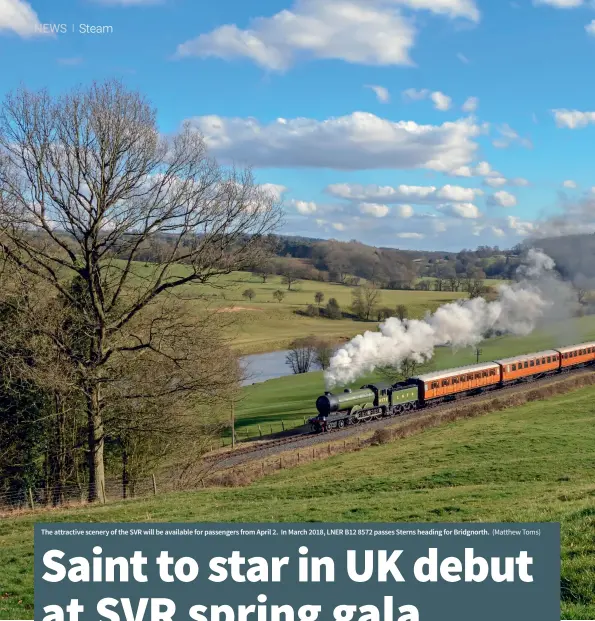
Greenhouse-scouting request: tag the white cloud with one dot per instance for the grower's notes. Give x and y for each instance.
(371, 32)
(339, 226)
(402, 193)
(509, 136)
(519, 182)
(405, 211)
(410, 236)
(374, 209)
(503, 199)
(471, 104)
(413, 94)
(496, 182)
(570, 185)
(520, 227)
(559, 4)
(441, 101)
(497, 231)
(274, 189)
(461, 210)
(355, 142)
(483, 169)
(18, 17)
(463, 58)
(130, 2)
(590, 28)
(304, 208)
(382, 93)
(573, 119)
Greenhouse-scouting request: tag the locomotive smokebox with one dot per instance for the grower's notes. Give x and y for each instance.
(327, 404)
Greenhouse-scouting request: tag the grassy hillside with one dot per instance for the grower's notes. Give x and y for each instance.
(292, 398)
(532, 463)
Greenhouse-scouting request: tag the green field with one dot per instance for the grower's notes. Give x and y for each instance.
(291, 399)
(263, 324)
(532, 463)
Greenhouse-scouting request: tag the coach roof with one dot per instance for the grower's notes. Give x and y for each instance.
(565, 350)
(526, 357)
(473, 368)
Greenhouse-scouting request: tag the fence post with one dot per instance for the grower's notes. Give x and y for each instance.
(329, 449)
(262, 467)
(260, 431)
(280, 463)
(298, 457)
(154, 485)
(271, 429)
(313, 453)
(31, 499)
(103, 499)
(283, 425)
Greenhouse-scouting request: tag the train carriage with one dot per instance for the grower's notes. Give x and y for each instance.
(520, 368)
(440, 385)
(577, 355)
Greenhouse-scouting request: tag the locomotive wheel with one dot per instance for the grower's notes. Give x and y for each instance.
(340, 424)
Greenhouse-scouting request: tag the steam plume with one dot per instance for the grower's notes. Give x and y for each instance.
(459, 324)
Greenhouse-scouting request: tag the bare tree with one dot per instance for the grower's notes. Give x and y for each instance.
(365, 300)
(265, 271)
(301, 355)
(323, 352)
(87, 176)
(403, 371)
(401, 311)
(290, 277)
(319, 297)
(249, 294)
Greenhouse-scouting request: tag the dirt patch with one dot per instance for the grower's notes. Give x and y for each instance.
(237, 309)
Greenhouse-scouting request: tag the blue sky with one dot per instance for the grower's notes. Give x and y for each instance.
(435, 124)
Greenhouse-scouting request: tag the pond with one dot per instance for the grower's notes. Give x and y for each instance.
(262, 367)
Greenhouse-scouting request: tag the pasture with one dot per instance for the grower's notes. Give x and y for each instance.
(531, 463)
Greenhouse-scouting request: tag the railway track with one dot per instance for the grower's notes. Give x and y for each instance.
(221, 461)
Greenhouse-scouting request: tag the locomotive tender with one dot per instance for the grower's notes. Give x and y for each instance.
(381, 400)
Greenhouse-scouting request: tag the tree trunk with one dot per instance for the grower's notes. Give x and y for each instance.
(96, 442)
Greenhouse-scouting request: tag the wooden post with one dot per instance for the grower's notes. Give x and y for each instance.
(271, 429)
(313, 453)
(103, 492)
(329, 449)
(259, 431)
(283, 425)
(298, 457)
(31, 499)
(233, 426)
(154, 485)
(280, 463)
(262, 467)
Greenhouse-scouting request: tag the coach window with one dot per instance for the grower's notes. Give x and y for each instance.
(538, 362)
(445, 382)
(478, 376)
(526, 365)
(532, 363)
(514, 367)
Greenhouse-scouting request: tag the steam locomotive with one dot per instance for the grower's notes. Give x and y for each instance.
(381, 400)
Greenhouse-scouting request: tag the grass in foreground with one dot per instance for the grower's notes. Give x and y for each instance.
(532, 463)
(291, 399)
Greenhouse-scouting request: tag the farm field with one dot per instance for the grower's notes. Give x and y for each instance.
(291, 399)
(530, 463)
(263, 324)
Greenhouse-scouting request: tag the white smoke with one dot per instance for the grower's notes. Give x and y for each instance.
(459, 324)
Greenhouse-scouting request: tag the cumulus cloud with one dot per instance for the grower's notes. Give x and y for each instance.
(410, 235)
(569, 184)
(573, 119)
(590, 28)
(460, 210)
(357, 141)
(381, 92)
(471, 104)
(371, 32)
(274, 189)
(402, 193)
(503, 199)
(414, 94)
(522, 228)
(18, 17)
(405, 211)
(441, 101)
(304, 208)
(374, 209)
(499, 181)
